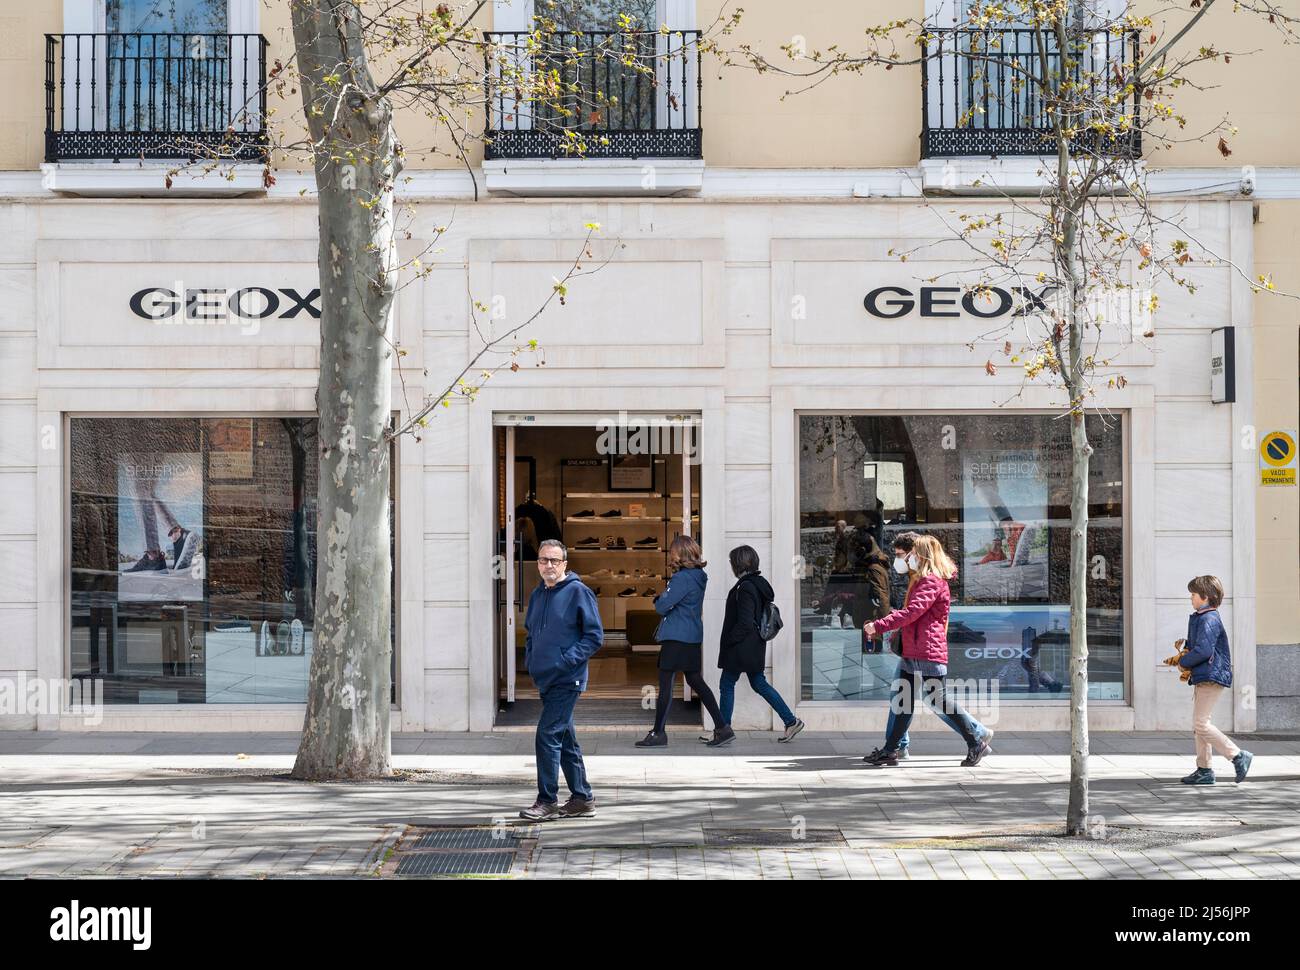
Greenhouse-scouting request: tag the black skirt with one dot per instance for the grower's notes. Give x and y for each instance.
(675, 655)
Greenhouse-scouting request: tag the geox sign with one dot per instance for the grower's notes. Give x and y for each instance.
(892, 302)
(217, 305)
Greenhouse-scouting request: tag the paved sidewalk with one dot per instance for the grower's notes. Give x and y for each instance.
(220, 805)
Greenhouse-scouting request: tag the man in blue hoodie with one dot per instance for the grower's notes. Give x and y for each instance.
(564, 632)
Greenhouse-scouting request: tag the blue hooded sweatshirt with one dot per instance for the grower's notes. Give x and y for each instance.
(681, 605)
(564, 632)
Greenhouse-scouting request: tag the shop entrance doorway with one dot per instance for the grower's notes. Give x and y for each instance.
(616, 490)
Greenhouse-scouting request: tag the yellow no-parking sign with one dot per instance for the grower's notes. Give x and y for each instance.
(1277, 458)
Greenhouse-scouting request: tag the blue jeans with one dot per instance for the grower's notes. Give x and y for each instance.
(557, 746)
(980, 730)
(727, 696)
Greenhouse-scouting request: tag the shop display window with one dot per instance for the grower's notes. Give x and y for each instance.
(995, 491)
(193, 557)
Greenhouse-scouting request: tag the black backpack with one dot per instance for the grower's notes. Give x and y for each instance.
(769, 621)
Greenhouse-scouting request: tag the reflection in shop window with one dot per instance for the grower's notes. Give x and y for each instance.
(995, 491)
(193, 554)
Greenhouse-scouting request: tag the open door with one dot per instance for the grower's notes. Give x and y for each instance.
(509, 566)
(615, 494)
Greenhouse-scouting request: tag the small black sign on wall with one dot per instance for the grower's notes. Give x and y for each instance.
(1223, 366)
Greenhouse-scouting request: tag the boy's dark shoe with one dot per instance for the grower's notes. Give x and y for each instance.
(975, 755)
(1201, 776)
(541, 811)
(1242, 764)
(653, 740)
(577, 807)
(722, 735)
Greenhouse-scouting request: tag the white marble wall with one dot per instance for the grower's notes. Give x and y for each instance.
(19, 444)
(726, 273)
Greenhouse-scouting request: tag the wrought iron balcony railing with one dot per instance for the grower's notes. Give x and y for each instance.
(980, 92)
(184, 96)
(594, 94)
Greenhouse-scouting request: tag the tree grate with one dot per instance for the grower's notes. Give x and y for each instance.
(459, 850)
(787, 837)
(479, 837)
(455, 863)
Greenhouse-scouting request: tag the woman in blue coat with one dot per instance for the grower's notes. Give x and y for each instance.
(681, 639)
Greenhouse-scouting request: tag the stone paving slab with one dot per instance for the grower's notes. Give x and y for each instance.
(127, 805)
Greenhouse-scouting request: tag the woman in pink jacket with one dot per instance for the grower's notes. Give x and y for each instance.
(923, 621)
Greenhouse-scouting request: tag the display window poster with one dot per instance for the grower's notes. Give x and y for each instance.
(1025, 650)
(160, 527)
(1004, 527)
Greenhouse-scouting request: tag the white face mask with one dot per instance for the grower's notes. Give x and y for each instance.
(913, 562)
(900, 565)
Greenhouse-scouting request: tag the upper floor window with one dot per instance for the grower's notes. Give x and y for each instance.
(607, 14)
(618, 86)
(155, 79)
(986, 80)
(166, 16)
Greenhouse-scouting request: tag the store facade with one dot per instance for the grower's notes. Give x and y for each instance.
(830, 398)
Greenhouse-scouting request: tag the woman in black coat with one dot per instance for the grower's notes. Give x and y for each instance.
(743, 650)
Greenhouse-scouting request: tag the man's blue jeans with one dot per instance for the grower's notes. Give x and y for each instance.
(557, 746)
(727, 696)
(980, 730)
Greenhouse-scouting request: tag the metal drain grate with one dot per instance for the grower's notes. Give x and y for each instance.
(774, 837)
(479, 837)
(455, 863)
(460, 850)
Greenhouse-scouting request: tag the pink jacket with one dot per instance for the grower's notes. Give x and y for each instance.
(923, 620)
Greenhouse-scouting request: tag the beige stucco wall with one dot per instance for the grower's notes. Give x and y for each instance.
(1254, 91)
(22, 79)
(1277, 404)
(849, 121)
(855, 120)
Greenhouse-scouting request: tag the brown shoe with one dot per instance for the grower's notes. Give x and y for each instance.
(577, 807)
(541, 811)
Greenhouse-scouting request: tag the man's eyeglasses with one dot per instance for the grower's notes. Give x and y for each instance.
(550, 562)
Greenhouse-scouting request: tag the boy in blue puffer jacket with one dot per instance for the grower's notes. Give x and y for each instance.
(1206, 656)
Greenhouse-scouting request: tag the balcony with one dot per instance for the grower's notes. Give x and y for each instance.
(980, 97)
(610, 98)
(115, 96)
